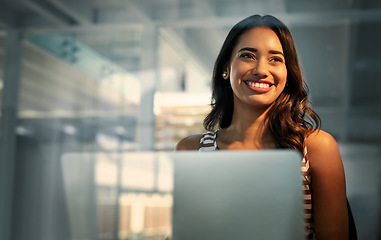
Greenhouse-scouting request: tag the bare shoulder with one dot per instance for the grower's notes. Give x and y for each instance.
(320, 140)
(322, 150)
(189, 143)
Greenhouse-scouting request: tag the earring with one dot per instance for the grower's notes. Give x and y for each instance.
(224, 75)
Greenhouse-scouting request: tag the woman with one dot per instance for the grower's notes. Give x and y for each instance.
(260, 101)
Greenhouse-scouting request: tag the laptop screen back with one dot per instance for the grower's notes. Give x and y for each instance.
(224, 195)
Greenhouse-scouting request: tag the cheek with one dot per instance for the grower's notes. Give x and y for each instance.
(281, 75)
(237, 70)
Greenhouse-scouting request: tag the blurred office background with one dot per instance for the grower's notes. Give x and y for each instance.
(84, 84)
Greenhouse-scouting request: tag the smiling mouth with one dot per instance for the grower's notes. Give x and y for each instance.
(258, 85)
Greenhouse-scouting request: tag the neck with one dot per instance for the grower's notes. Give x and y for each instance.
(248, 129)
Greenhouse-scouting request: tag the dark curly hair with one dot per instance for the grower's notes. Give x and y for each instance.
(289, 119)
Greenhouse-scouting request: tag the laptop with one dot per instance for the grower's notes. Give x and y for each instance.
(225, 195)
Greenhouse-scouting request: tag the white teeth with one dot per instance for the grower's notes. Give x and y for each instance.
(258, 85)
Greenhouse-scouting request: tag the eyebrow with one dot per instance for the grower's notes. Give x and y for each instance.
(255, 50)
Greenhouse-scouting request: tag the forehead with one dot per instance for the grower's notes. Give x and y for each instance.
(261, 38)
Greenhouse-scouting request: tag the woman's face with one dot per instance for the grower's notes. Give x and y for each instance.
(257, 68)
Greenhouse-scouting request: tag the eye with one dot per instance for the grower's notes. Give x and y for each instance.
(247, 55)
(277, 59)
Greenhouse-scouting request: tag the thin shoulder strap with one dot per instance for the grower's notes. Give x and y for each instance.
(208, 141)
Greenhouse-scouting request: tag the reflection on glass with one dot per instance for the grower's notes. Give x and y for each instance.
(2, 51)
(136, 203)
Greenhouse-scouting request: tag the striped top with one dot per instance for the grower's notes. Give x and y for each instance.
(208, 142)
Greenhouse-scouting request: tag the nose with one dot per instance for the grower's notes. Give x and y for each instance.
(260, 69)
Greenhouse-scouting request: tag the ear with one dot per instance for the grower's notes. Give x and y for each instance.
(225, 74)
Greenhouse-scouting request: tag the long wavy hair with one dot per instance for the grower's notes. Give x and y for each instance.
(290, 119)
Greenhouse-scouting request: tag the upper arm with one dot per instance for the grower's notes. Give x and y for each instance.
(189, 143)
(328, 187)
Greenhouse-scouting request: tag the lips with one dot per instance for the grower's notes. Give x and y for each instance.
(259, 86)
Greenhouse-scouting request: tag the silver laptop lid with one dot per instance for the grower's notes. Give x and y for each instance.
(224, 195)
